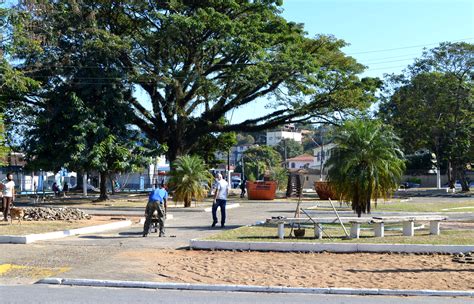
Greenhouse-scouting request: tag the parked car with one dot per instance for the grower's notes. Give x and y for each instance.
(235, 182)
(408, 185)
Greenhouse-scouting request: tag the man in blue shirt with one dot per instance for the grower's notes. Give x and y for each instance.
(156, 203)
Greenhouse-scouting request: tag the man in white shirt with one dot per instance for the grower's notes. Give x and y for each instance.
(8, 196)
(220, 199)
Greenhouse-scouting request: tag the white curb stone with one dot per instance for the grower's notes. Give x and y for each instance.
(330, 247)
(253, 288)
(230, 206)
(31, 238)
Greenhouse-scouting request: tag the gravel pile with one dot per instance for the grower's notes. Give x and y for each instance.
(54, 214)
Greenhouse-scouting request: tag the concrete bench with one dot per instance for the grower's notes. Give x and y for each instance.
(318, 223)
(408, 223)
(355, 222)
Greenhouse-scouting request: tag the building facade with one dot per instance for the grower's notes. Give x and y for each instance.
(286, 132)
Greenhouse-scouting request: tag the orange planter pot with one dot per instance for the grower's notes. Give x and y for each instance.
(325, 191)
(261, 190)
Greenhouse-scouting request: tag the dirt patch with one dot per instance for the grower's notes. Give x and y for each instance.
(32, 227)
(361, 270)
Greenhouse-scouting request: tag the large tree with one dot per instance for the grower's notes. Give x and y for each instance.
(13, 83)
(197, 61)
(74, 129)
(431, 106)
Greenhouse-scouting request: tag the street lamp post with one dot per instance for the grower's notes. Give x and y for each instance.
(320, 157)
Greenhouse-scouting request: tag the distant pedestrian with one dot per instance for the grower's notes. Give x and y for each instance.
(243, 190)
(8, 196)
(55, 189)
(220, 200)
(157, 201)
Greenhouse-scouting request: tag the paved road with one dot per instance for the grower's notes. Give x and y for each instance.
(92, 256)
(63, 294)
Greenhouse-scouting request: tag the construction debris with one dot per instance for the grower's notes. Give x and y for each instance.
(54, 214)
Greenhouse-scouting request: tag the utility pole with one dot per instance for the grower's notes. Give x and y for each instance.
(229, 179)
(321, 158)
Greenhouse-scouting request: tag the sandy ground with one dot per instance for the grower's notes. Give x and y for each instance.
(361, 270)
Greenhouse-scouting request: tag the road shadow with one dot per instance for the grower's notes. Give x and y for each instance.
(179, 210)
(204, 228)
(121, 235)
(99, 237)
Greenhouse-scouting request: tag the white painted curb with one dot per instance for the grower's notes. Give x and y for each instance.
(168, 217)
(30, 238)
(253, 288)
(329, 247)
(230, 206)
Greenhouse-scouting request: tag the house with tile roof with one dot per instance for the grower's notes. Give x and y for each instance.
(300, 162)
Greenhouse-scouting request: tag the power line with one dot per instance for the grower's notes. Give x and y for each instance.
(408, 47)
(385, 68)
(384, 62)
(398, 56)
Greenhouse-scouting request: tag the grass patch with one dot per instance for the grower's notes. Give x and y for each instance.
(422, 236)
(33, 227)
(397, 205)
(11, 270)
(426, 206)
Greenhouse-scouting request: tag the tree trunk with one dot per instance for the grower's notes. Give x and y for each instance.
(103, 187)
(451, 176)
(79, 181)
(112, 184)
(463, 179)
(187, 203)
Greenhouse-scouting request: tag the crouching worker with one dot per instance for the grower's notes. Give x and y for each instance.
(156, 202)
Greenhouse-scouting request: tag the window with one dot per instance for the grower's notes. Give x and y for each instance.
(293, 165)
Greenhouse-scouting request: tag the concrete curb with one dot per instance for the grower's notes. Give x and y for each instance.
(253, 288)
(329, 247)
(31, 238)
(230, 206)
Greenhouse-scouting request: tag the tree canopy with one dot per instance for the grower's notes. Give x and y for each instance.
(260, 161)
(195, 61)
(431, 105)
(289, 148)
(366, 163)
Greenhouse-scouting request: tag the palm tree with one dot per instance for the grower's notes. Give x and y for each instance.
(366, 164)
(189, 177)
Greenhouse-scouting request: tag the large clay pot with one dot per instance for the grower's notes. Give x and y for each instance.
(325, 191)
(261, 190)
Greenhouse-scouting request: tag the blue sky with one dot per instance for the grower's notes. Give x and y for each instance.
(385, 35)
(375, 25)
